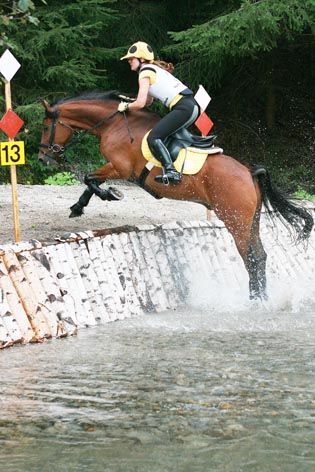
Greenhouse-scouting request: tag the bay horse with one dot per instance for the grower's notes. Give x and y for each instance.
(234, 191)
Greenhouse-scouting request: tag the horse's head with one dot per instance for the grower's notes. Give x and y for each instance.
(55, 135)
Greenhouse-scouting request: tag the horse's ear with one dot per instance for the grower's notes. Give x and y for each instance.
(46, 105)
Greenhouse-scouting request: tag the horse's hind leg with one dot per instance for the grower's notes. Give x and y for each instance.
(256, 262)
(245, 232)
(254, 257)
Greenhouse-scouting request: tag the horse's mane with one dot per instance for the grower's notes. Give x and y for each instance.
(95, 95)
(99, 96)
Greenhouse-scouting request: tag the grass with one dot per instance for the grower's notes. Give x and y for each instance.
(302, 194)
(62, 178)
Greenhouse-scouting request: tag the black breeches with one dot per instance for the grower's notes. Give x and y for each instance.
(184, 114)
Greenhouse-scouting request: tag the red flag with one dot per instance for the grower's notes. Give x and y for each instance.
(11, 123)
(204, 123)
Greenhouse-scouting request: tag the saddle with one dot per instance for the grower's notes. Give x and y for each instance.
(188, 151)
(184, 139)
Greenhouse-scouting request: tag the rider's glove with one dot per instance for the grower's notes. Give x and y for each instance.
(123, 106)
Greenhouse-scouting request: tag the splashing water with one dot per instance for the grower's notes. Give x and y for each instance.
(221, 384)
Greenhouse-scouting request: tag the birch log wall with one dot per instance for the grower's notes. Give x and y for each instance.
(51, 291)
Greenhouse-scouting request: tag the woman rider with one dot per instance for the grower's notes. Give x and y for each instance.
(156, 81)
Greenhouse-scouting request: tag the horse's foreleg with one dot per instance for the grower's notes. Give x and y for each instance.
(77, 208)
(105, 172)
(93, 182)
(94, 179)
(108, 194)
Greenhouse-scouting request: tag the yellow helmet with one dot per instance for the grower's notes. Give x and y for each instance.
(140, 50)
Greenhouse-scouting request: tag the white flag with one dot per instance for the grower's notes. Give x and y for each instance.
(202, 98)
(8, 65)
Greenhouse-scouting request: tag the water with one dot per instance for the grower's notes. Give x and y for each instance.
(191, 390)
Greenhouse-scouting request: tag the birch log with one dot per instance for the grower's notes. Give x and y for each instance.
(65, 325)
(158, 245)
(115, 245)
(113, 281)
(59, 276)
(90, 280)
(27, 296)
(97, 255)
(152, 274)
(15, 304)
(77, 284)
(30, 270)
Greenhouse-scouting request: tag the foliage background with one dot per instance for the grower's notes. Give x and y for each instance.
(256, 59)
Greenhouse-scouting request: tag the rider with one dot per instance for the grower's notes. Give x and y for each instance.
(156, 81)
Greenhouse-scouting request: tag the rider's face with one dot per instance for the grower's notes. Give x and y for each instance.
(134, 63)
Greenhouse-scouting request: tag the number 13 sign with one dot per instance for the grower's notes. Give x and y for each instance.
(12, 153)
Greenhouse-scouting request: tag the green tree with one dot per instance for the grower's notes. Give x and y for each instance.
(21, 11)
(247, 41)
(246, 31)
(256, 58)
(60, 55)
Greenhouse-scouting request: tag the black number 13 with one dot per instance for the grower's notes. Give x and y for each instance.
(14, 154)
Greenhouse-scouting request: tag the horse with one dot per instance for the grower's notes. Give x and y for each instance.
(236, 192)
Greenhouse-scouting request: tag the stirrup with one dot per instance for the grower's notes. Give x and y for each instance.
(167, 178)
(162, 179)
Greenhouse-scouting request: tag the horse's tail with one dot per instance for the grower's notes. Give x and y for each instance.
(277, 203)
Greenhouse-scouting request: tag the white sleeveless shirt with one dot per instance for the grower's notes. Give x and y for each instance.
(163, 85)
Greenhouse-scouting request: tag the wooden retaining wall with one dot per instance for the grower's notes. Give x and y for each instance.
(95, 278)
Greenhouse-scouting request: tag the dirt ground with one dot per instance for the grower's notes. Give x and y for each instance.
(44, 211)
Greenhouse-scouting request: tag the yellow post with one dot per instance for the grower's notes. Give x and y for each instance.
(15, 204)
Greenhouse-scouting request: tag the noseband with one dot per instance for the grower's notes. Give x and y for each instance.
(53, 147)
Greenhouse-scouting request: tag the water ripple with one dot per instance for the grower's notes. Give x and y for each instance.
(140, 395)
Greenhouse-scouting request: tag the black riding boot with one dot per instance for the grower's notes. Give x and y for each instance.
(170, 174)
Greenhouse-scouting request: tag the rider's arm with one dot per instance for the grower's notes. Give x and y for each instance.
(142, 97)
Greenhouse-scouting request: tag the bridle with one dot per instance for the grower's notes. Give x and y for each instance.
(56, 149)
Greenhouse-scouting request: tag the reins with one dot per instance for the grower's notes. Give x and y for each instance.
(77, 135)
(97, 125)
(128, 129)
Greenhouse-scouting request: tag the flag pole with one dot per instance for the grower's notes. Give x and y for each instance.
(15, 204)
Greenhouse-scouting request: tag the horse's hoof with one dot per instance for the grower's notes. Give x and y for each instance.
(110, 194)
(114, 194)
(76, 210)
(75, 214)
(263, 297)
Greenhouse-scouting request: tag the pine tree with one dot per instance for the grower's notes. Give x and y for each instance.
(244, 32)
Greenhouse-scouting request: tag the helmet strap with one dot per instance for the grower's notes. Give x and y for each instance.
(140, 64)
